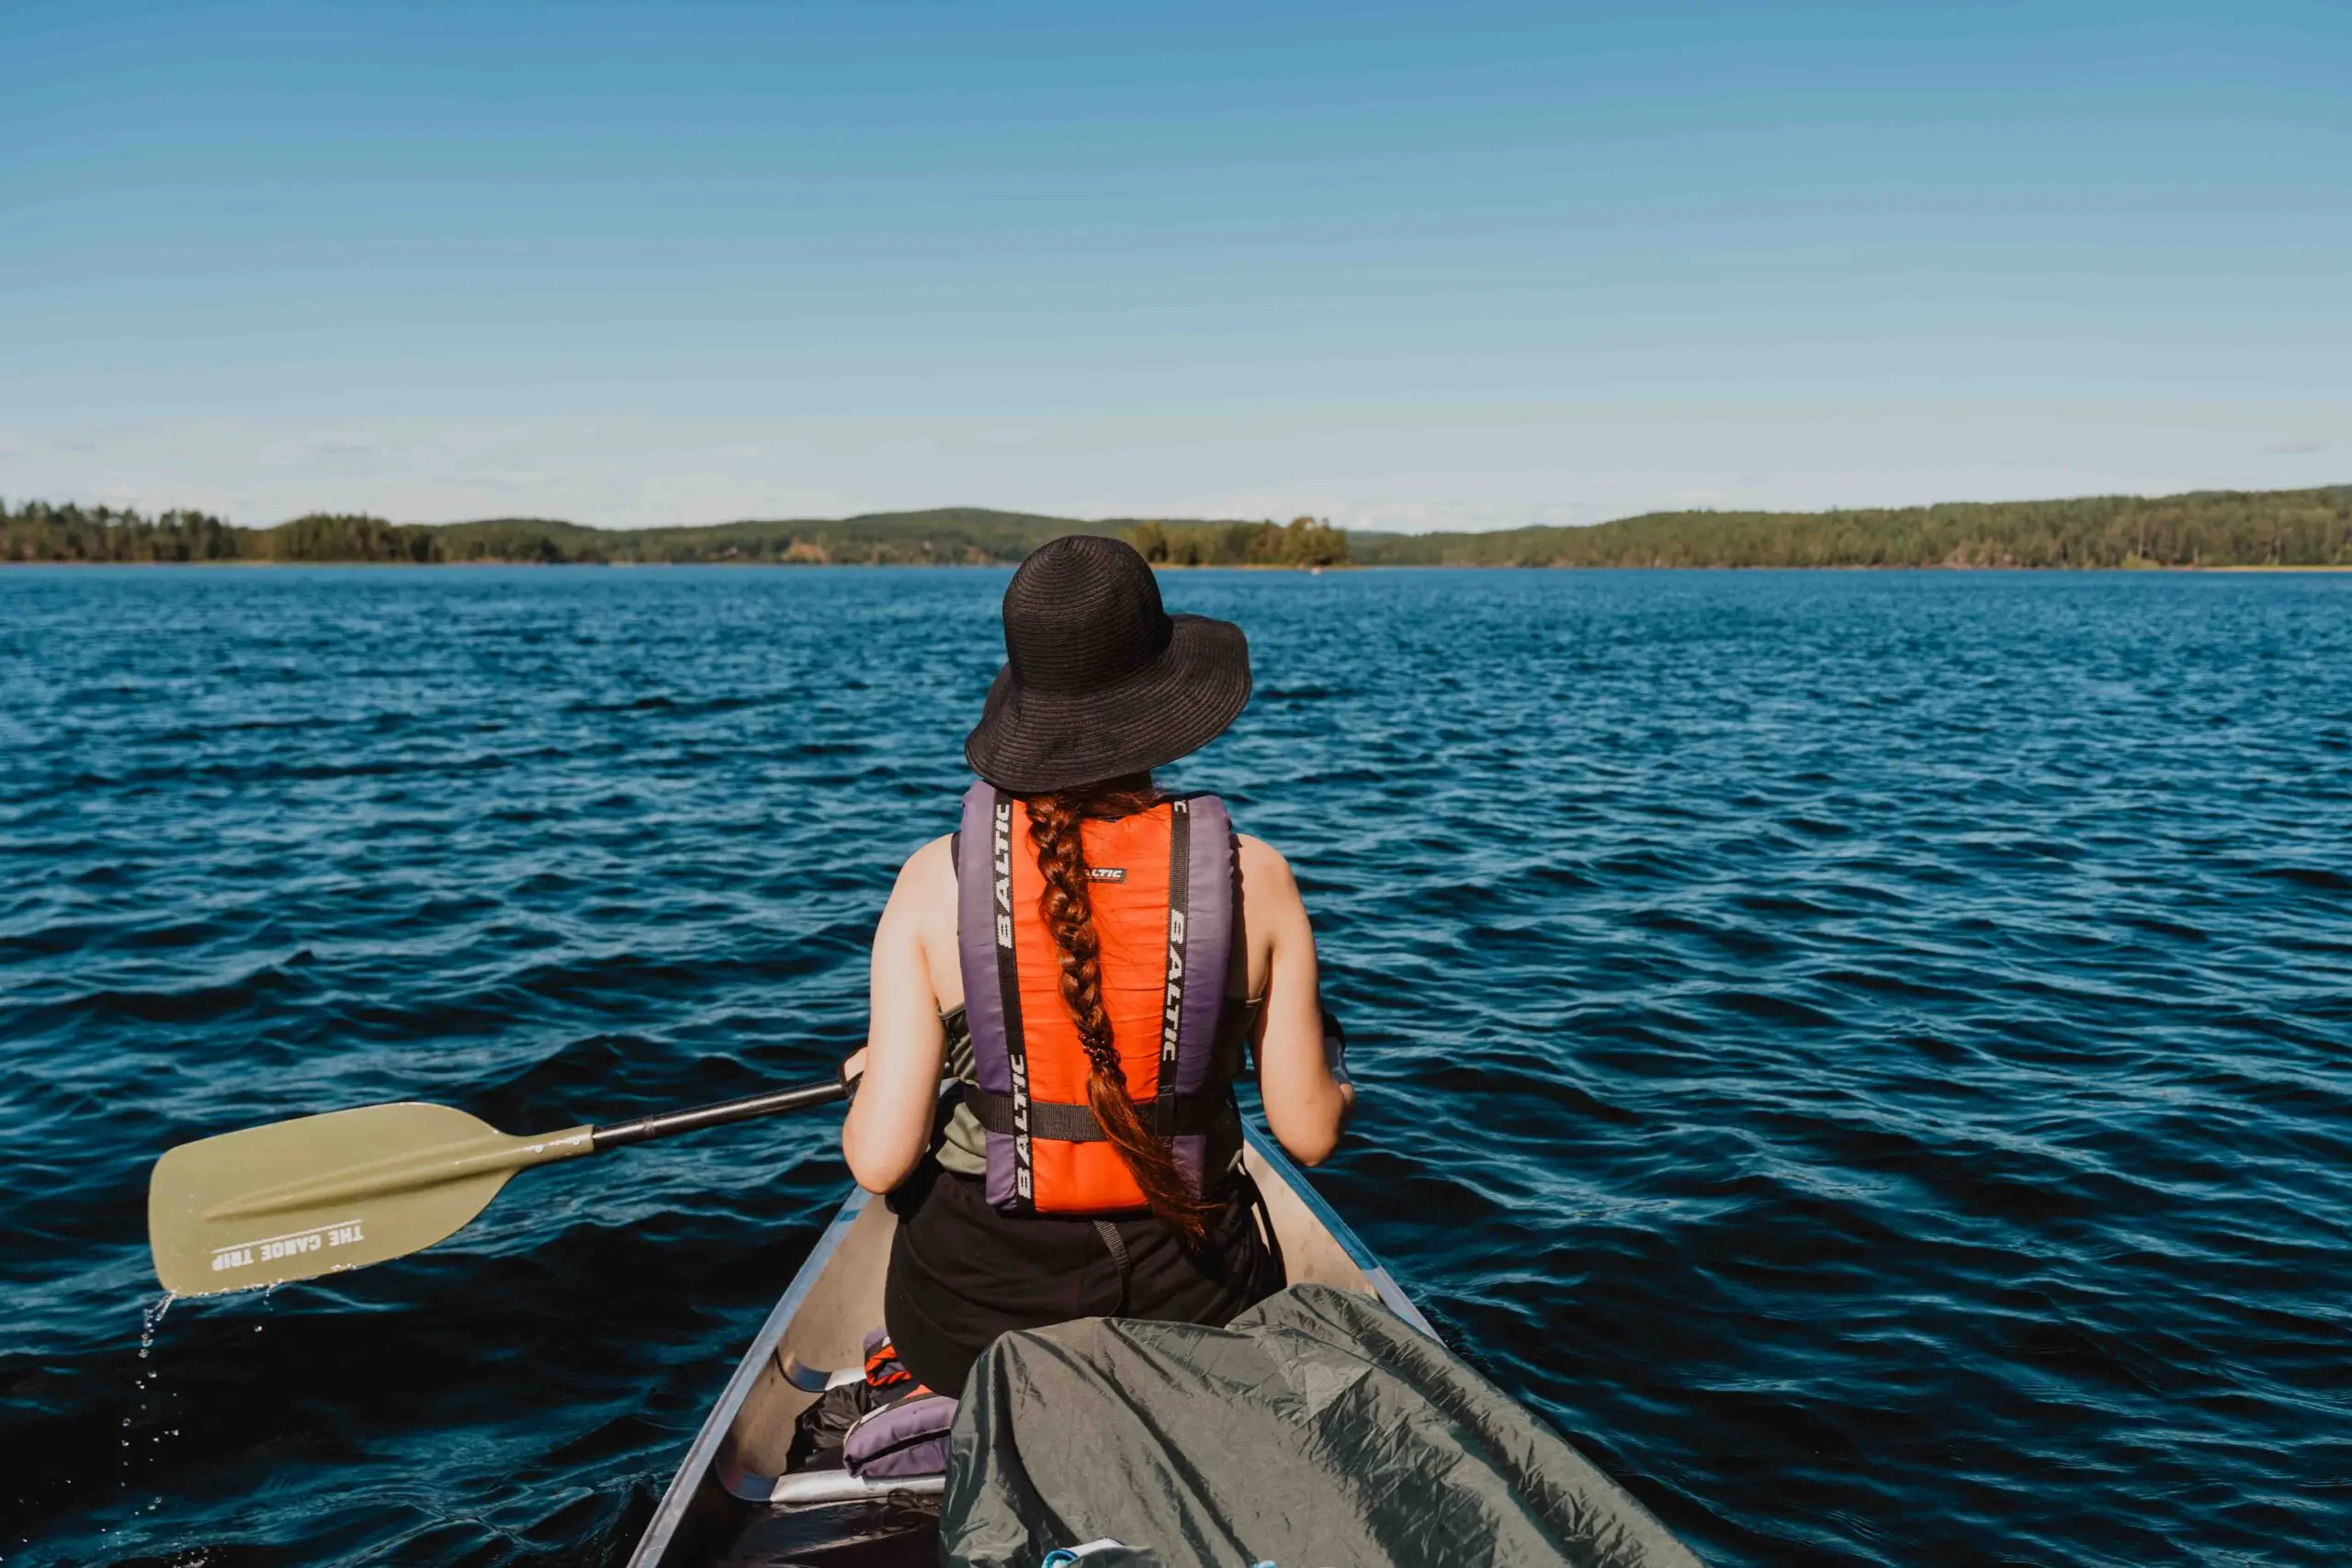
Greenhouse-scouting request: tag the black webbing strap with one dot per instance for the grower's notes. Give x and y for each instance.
(1171, 1001)
(1191, 1113)
(1243, 1188)
(1008, 979)
(1117, 1246)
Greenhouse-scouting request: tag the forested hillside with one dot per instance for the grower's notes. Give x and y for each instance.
(2291, 527)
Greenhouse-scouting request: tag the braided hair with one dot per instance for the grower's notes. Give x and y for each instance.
(1055, 830)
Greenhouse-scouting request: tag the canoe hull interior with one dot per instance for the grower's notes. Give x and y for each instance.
(717, 1509)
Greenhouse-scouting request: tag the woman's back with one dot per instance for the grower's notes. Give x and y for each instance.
(1092, 957)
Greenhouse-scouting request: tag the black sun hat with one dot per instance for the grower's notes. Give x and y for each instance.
(1099, 680)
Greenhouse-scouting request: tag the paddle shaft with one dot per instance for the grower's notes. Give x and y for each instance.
(644, 1129)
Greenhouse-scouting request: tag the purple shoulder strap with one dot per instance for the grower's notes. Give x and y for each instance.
(1199, 943)
(991, 994)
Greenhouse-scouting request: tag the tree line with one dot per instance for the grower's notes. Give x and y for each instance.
(2211, 528)
(37, 530)
(1306, 542)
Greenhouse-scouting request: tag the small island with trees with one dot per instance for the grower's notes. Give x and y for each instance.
(2202, 529)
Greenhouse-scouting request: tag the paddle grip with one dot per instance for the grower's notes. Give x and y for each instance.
(647, 1128)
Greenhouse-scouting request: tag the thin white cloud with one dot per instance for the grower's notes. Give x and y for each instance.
(329, 448)
(2296, 444)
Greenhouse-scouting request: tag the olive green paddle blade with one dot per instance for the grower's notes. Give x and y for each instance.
(320, 1195)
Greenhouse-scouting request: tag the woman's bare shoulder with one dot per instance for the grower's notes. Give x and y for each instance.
(930, 873)
(936, 858)
(926, 882)
(1264, 873)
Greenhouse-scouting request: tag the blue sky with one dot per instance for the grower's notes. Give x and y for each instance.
(1460, 265)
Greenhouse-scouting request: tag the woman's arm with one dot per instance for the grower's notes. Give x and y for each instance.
(888, 1126)
(1306, 1105)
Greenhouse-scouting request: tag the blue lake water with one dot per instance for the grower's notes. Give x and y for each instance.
(1868, 1057)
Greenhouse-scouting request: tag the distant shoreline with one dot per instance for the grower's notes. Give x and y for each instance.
(2207, 530)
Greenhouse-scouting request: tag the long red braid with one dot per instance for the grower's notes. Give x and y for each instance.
(1055, 830)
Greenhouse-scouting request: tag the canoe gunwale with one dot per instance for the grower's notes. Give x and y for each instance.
(703, 1457)
(1375, 1274)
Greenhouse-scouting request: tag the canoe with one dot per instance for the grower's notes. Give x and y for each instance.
(731, 1505)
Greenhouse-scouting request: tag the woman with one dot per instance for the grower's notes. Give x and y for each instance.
(1088, 956)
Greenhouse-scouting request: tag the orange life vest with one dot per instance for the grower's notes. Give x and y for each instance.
(1162, 886)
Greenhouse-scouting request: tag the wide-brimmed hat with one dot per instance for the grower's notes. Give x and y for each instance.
(1099, 680)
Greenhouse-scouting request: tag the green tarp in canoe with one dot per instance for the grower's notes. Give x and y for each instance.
(1317, 1429)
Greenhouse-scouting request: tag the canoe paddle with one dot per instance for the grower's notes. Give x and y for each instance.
(320, 1195)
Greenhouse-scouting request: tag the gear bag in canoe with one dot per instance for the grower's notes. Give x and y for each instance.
(1316, 1427)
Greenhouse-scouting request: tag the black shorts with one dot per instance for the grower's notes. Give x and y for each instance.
(961, 1273)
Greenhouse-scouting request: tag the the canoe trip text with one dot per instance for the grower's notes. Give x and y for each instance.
(246, 1254)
